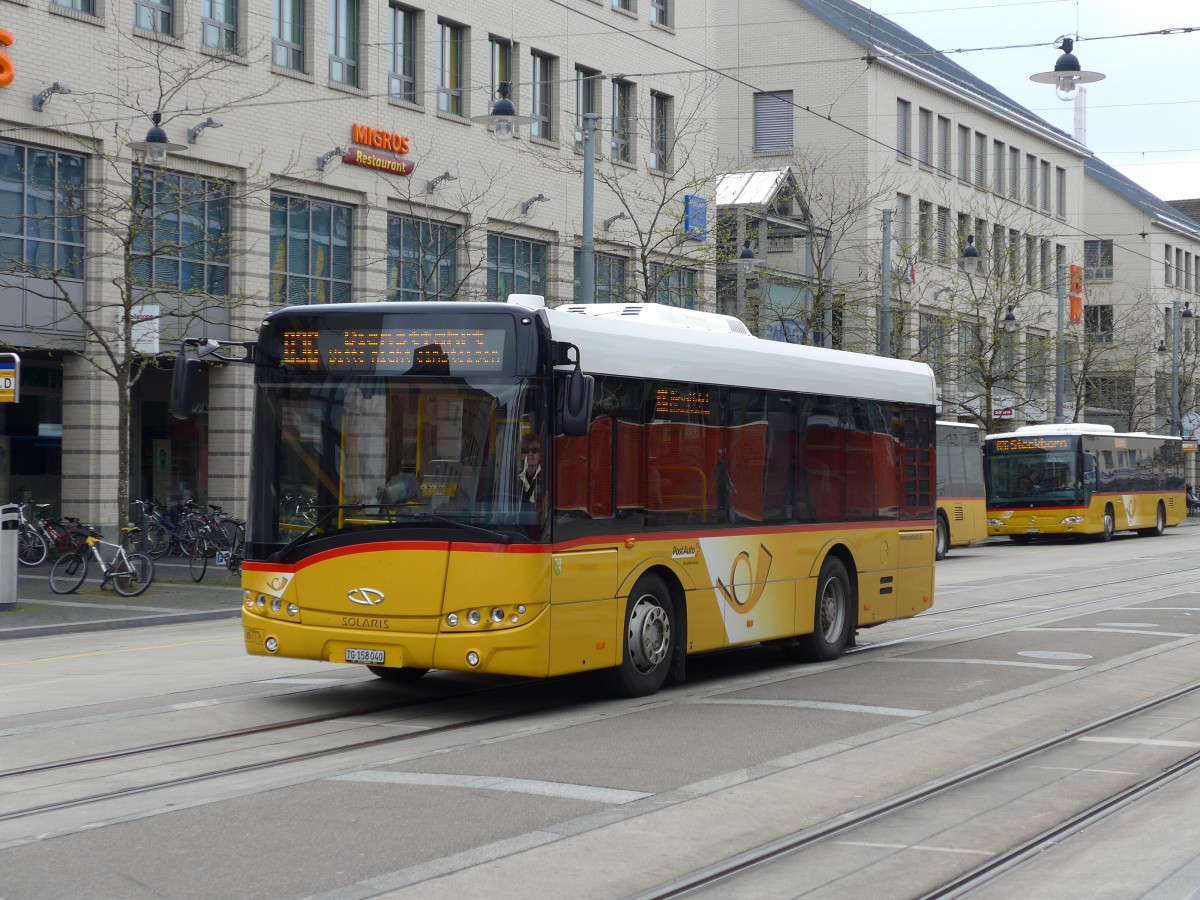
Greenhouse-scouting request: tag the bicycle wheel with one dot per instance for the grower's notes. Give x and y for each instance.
(198, 561)
(32, 548)
(135, 575)
(69, 572)
(158, 540)
(234, 533)
(186, 536)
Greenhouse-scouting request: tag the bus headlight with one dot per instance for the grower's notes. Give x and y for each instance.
(1072, 520)
(472, 659)
(272, 645)
(293, 609)
(473, 617)
(452, 620)
(497, 615)
(995, 522)
(276, 604)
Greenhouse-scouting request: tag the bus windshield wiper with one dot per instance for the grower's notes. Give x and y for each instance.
(501, 536)
(281, 555)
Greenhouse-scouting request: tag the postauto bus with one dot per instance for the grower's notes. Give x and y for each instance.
(1082, 480)
(961, 497)
(511, 489)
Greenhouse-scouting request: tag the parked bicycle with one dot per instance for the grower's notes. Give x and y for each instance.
(164, 533)
(128, 572)
(39, 536)
(221, 538)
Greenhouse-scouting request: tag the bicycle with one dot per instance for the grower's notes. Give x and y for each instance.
(32, 546)
(129, 573)
(39, 536)
(222, 537)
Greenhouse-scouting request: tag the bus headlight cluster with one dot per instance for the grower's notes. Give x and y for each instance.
(995, 522)
(1072, 520)
(259, 602)
(497, 615)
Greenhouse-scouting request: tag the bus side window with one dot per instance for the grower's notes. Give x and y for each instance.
(1089, 472)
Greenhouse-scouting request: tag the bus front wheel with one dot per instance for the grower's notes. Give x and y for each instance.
(649, 640)
(1110, 524)
(831, 617)
(941, 539)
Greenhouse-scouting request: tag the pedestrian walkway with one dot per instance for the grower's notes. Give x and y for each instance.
(171, 598)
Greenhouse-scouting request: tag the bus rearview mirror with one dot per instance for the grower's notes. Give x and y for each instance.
(577, 404)
(183, 386)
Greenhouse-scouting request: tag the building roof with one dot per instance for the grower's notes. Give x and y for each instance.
(1160, 210)
(1190, 208)
(882, 36)
(750, 188)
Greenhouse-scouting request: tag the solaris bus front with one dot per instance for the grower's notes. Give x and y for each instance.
(377, 430)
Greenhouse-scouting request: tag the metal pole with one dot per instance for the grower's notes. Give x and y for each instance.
(1175, 418)
(587, 253)
(885, 309)
(1060, 354)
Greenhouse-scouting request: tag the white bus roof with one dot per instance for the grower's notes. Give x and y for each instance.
(646, 340)
(1076, 428)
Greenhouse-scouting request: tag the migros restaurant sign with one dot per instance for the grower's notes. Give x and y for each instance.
(379, 139)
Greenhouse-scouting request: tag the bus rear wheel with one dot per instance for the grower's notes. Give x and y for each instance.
(1160, 524)
(941, 539)
(832, 617)
(649, 640)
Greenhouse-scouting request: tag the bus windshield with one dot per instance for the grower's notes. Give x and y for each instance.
(1035, 478)
(363, 454)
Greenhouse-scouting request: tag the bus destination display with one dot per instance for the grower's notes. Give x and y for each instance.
(395, 350)
(1008, 445)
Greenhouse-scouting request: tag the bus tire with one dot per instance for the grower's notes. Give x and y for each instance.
(941, 539)
(1160, 523)
(832, 617)
(648, 640)
(398, 676)
(1110, 525)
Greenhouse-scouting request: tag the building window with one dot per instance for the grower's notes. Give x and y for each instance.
(85, 6)
(900, 225)
(660, 132)
(672, 286)
(1047, 277)
(402, 74)
(587, 100)
(450, 68)
(1014, 254)
(181, 232)
(999, 256)
(622, 120)
(343, 42)
(1167, 257)
(515, 266)
(1046, 185)
(924, 228)
(1098, 260)
(1060, 191)
(1030, 179)
(310, 251)
(422, 259)
(541, 100)
(1037, 364)
(925, 137)
(154, 15)
(218, 25)
(500, 65)
(970, 356)
(964, 152)
(1014, 173)
(980, 160)
(932, 332)
(1031, 260)
(660, 13)
(610, 278)
(943, 144)
(42, 202)
(773, 121)
(903, 127)
(287, 34)
(998, 163)
(626, 5)
(943, 234)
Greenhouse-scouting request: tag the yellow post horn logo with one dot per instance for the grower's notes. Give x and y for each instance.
(757, 580)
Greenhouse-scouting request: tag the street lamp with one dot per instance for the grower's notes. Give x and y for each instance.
(1176, 315)
(747, 259)
(503, 118)
(157, 145)
(1067, 75)
(968, 261)
(1010, 320)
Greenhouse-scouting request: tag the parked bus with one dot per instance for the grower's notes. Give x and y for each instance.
(511, 489)
(961, 502)
(1084, 480)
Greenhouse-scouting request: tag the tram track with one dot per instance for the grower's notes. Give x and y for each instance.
(233, 735)
(723, 874)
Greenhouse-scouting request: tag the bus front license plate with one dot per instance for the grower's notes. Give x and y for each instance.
(1031, 531)
(370, 657)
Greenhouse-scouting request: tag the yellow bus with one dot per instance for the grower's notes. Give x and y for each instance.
(961, 500)
(1082, 480)
(511, 489)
